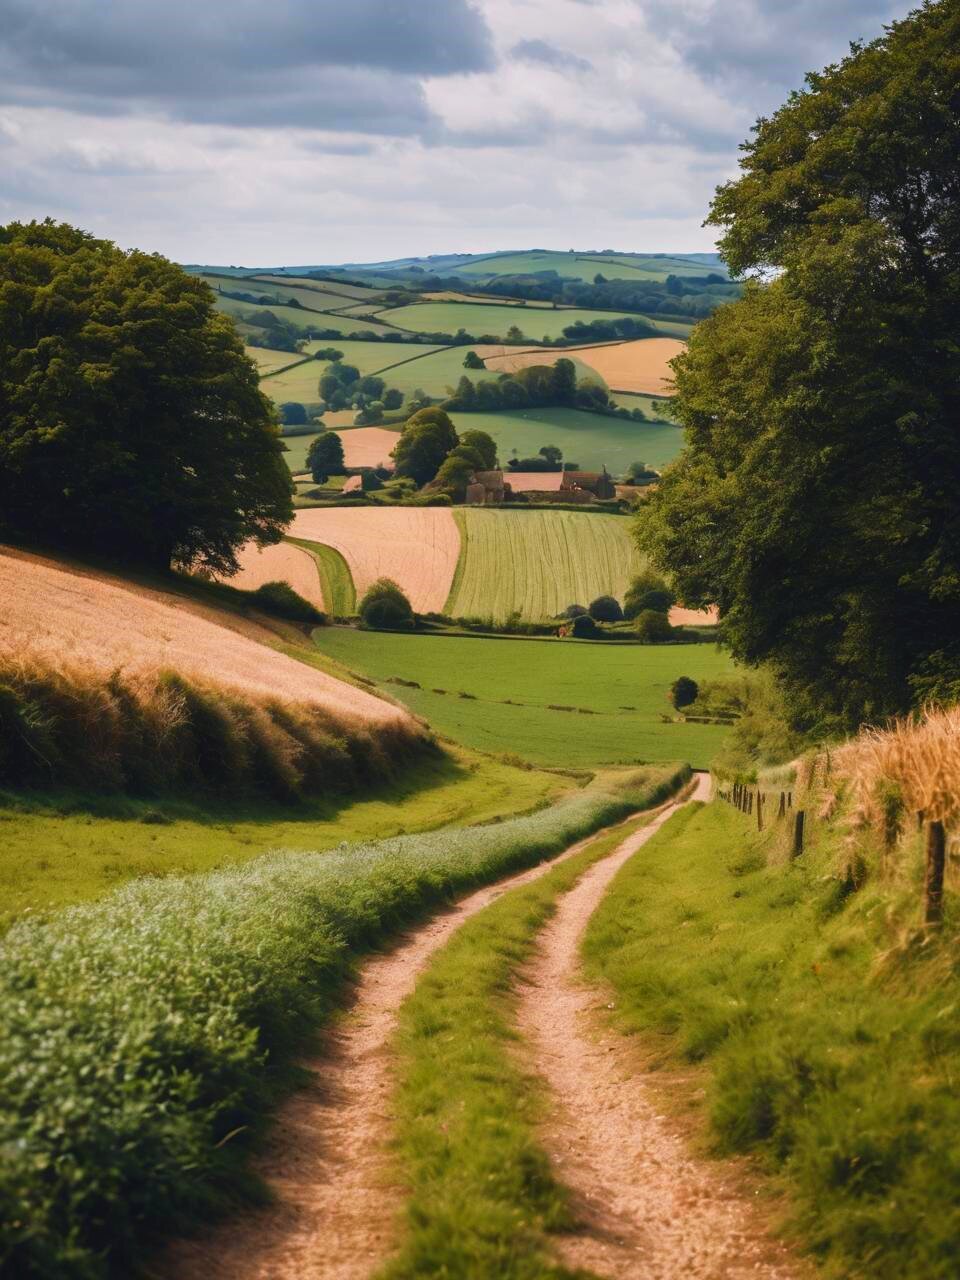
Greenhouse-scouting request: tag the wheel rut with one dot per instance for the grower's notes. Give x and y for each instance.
(647, 1208)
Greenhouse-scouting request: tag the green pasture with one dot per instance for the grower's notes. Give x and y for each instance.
(297, 317)
(336, 580)
(572, 266)
(538, 562)
(370, 357)
(297, 446)
(479, 318)
(268, 360)
(591, 439)
(322, 288)
(618, 693)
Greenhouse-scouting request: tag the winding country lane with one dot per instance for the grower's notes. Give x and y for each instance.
(648, 1208)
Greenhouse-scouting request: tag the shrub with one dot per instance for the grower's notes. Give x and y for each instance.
(574, 611)
(648, 590)
(683, 691)
(293, 413)
(584, 627)
(279, 598)
(384, 607)
(653, 627)
(605, 609)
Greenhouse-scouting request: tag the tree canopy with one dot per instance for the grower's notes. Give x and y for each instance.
(325, 457)
(131, 422)
(816, 499)
(425, 441)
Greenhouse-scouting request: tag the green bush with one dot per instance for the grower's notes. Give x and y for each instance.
(683, 692)
(139, 1033)
(279, 598)
(385, 607)
(653, 627)
(648, 590)
(584, 627)
(605, 609)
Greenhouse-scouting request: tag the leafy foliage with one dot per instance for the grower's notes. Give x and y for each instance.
(385, 607)
(425, 441)
(815, 502)
(605, 609)
(131, 422)
(325, 457)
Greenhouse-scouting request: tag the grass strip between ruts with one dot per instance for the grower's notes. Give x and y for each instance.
(483, 1198)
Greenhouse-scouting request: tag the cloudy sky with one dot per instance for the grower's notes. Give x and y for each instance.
(301, 131)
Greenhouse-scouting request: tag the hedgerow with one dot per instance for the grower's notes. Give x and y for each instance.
(143, 1036)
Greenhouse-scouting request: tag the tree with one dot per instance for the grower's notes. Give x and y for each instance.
(292, 413)
(584, 627)
(563, 382)
(392, 398)
(683, 692)
(328, 353)
(329, 387)
(131, 421)
(599, 279)
(514, 333)
(574, 611)
(465, 396)
(456, 472)
(485, 446)
(325, 457)
(639, 473)
(648, 590)
(605, 609)
(550, 453)
(372, 386)
(370, 413)
(815, 501)
(472, 361)
(385, 607)
(425, 441)
(653, 627)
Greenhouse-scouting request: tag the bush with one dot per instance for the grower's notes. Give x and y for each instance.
(648, 590)
(584, 627)
(683, 691)
(293, 413)
(279, 598)
(384, 607)
(605, 609)
(574, 611)
(654, 627)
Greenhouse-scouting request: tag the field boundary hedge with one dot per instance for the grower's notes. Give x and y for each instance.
(143, 1037)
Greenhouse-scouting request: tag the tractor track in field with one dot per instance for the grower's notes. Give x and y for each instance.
(336, 1208)
(647, 1209)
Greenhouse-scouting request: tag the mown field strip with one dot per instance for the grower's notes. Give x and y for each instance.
(538, 562)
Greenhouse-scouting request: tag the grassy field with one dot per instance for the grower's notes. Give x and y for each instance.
(625, 266)
(297, 317)
(821, 1014)
(590, 439)
(346, 292)
(297, 446)
(61, 849)
(538, 562)
(512, 683)
(336, 582)
(479, 318)
(369, 357)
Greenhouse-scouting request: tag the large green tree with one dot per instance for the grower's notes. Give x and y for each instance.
(131, 423)
(816, 501)
(425, 441)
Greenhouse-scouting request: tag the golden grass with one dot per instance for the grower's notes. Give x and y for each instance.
(72, 615)
(417, 547)
(280, 563)
(912, 767)
(681, 617)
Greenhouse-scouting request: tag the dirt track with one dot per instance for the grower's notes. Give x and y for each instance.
(649, 1210)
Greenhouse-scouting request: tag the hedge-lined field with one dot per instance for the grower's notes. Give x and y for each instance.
(591, 439)
(609, 698)
(143, 1037)
(535, 563)
(479, 318)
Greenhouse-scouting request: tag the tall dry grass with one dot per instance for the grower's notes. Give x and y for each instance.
(910, 767)
(72, 724)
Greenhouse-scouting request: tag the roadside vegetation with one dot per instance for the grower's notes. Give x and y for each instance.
(168, 1015)
(812, 994)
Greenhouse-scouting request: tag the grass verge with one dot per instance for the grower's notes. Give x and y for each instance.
(336, 581)
(483, 1197)
(144, 1037)
(825, 1019)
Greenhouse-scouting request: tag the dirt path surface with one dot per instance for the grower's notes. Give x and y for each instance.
(336, 1213)
(648, 1208)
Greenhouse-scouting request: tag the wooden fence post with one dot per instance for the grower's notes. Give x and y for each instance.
(936, 857)
(798, 833)
(783, 804)
(759, 810)
(789, 799)
(749, 802)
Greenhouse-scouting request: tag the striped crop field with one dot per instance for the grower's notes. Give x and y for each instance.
(538, 562)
